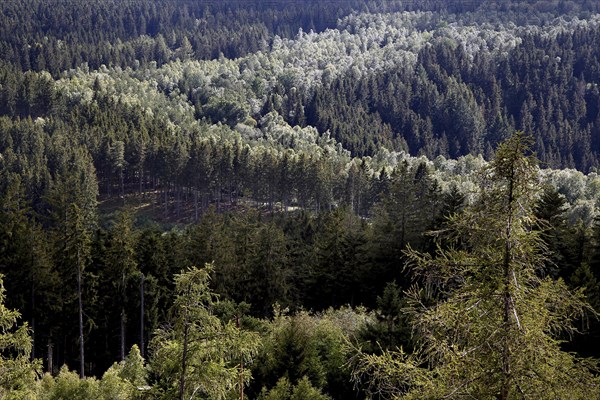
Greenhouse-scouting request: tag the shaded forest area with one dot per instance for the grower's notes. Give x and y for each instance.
(281, 183)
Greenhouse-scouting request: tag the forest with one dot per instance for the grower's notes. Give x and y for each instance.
(299, 199)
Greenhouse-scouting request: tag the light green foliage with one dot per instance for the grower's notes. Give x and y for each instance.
(494, 330)
(17, 372)
(284, 390)
(68, 385)
(580, 191)
(281, 391)
(198, 355)
(45, 387)
(126, 380)
(133, 369)
(113, 386)
(305, 391)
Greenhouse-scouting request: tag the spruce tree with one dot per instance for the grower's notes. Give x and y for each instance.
(121, 268)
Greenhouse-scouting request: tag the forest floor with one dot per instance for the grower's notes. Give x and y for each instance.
(148, 208)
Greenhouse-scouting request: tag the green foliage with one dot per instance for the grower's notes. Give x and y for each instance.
(226, 112)
(390, 329)
(408, 207)
(310, 348)
(494, 332)
(281, 391)
(126, 380)
(550, 211)
(199, 354)
(180, 109)
(305, 391)
(267, 268)
(338, 272)
(120, 270)
(133, 369)
(19, 373)
(68, 385)
(284, 390)
(112, 386)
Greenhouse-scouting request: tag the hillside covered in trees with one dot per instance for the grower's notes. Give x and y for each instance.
(299, 199)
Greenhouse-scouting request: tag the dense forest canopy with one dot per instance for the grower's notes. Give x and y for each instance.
(271, 199)
(425, 82)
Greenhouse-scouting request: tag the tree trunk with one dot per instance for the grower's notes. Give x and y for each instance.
(32, 308)
(123, 317)
(122, 338)
(141, 172)
(196, 205)
(507, 298)
(81, 349)
(184, 357)
(122, 183)
(237, 322)
(50, 365)
(142, 316)
(166, 189)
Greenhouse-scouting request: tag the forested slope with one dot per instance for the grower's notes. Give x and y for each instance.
(294, 152)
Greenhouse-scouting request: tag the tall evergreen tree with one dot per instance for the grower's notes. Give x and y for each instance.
(198, 355)
(77, 253)
(121, 268)
(72, 201)
(494, 332)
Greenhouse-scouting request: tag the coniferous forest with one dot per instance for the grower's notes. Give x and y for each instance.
(299, 199)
